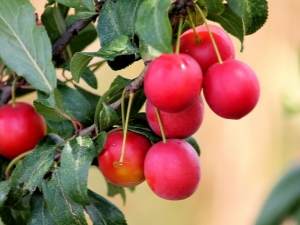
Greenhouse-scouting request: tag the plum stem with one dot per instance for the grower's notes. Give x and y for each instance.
(14, 161)
(123, 106)
(210, 35)
(13, 91)
(160, 125)
(178, 35)
(193, 26)
(125, 130)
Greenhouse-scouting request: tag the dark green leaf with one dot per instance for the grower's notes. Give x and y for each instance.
(19, 33)
(61, 208)
(158, 32)
(283, 199)
(39, 211)
(90, 97)
(104, 99)
(192, 141)
(103, 212)
(64, 129)
(113, 190)
(238, 6)
(4, 190)
(108, 27)
(120, 81)
(78, 65)
(31, 170)
(255, 16)
(214, 6)
(3, 165)
(84, 38)
(14, 199)
(126, 11)
(99, 141)
(232, 23)
(76, 160)
(108, 117)
(13, 217)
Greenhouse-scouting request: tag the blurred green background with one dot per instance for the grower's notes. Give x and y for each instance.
(241, 160)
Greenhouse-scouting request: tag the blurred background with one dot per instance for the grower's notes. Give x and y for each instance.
(241, 160)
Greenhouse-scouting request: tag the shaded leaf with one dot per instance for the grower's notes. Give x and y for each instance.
(283, 200)
(39, 211)
(64, 129)
(232, 23)
(78, 64)
(99, 141)
(108, 117)
(19, 33)
(113, 190)
(103, 212)
(61, 208)
(214, 6)
(157, 33)
(192, 141)
(31, 170)
(76, 160)
(4, 190)
(78, 4)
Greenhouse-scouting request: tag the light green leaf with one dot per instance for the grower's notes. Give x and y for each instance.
(103, 212)
(78, 64)
(157, 32)
(108, 118)
(32, 169)
(39, 211)
(4, 190)
(76, 160)
(78, 4)
(61, 208)
(25, 47)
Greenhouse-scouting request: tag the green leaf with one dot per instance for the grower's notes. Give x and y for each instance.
(78, 65)
(19, 34)
(126, 11)
(256, 14)
(238, 6)
(158, 32)
(283, 199)
(99, 141)
(108, 26)
(39, 211)
(232, 23)
(104, 99)
(103, 212)
(78, 4)
(108, 117)
(121, 45)
(61, 208)
(76, 160)
(120, 81)
(192, 141)
(90, 97)
(84, 38)
(4, 190)
(64, 129)
(32, 169)
(214, 6)
(113, 190)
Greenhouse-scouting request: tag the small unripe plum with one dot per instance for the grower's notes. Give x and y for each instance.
(20, 129)
(177, 125)
(173, 82)
(131, 172)
(172, 169)
(231, 89)
(204, 52)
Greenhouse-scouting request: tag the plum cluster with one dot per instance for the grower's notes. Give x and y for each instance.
(175, 110)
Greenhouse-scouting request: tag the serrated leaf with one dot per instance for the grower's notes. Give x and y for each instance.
(157, 33)
(61, 208)
(103, 212)
(78, 64)
(192, 141)
(32, 169)
(104, 99)
(108, 26)
(121, 45)
(4, 190)
(78, 4)
(256, 14)
(64, 129)
(283, 199)
(19, 34)
(126, 11)
(76, 159)
(39, 211)
(108, 117)
(232, 23)
(214, 6)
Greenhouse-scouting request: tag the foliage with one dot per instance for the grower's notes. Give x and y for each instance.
(49, 186)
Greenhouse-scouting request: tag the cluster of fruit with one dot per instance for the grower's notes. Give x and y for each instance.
(174, 110)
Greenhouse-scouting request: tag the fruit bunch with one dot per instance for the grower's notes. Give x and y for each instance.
(174, 111)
